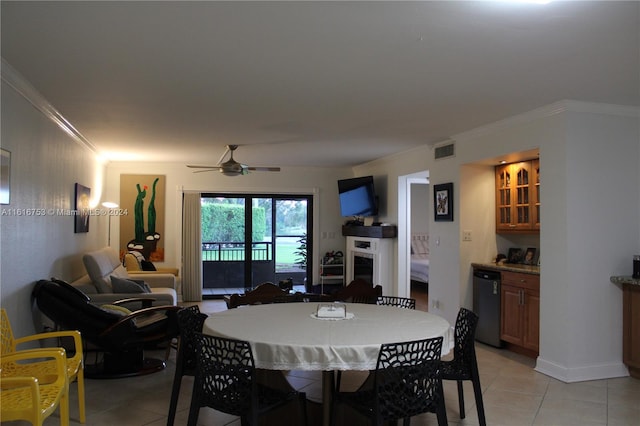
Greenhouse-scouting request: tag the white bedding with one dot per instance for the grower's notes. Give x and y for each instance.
(420, 268)
(420, 258)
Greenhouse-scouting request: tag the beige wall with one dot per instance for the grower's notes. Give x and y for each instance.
(590, 208)
(321, 182)
(46, 162)
(588, 233)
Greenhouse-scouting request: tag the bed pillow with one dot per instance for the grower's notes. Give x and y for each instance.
(420, 245)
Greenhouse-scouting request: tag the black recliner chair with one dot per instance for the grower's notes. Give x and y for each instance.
(121, 338)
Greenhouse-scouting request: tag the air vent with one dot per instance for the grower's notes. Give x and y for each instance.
(444, 151)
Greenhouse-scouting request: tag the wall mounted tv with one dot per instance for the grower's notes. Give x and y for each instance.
(357, 197)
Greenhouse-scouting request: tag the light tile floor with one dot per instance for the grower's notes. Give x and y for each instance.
(514, 394)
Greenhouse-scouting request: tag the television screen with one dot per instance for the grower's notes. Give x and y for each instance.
(357, 197)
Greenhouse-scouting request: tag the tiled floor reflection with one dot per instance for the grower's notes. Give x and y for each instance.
(514, 395)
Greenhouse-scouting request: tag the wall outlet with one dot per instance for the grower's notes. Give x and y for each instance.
(466, 235)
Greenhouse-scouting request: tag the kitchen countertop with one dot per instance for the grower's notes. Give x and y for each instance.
(625, 280)
(509, 267)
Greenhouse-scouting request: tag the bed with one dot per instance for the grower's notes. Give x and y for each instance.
(420, 259)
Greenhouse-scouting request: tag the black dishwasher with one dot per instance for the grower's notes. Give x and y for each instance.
(486, 303)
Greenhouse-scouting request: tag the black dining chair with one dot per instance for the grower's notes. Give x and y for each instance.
(401, 302)
(190, 321)
(406, 382)
(464, 365)
(226, 381)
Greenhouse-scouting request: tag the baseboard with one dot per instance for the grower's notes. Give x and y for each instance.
(581, 373)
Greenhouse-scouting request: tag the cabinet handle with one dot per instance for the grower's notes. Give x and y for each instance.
(522, 297)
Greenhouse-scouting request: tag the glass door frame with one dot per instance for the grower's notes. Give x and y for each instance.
(248, 217)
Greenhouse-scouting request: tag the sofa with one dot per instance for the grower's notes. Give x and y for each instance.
(138, 267)
(108, 281)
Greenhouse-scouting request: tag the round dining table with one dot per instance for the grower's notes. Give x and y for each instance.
(292, 336)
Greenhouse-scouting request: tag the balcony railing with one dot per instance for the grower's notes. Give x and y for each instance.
(217, 251)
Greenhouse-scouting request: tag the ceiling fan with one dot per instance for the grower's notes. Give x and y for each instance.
(231, 167)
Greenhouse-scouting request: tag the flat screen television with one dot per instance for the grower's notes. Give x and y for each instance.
(357, 197)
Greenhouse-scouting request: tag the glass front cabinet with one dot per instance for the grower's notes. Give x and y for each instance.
(518, 197)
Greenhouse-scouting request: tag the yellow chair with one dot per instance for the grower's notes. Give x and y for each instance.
(43, 370)
(26, 398)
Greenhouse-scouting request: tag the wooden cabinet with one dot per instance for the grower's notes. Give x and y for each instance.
(631, 328)
(520, 311)
(518, 197)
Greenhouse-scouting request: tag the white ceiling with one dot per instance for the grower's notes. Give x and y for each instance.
(315, 83)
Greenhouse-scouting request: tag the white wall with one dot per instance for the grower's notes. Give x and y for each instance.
(585, 151)
(46, 162)
(590, 214)
(590, 225)
(420, 205)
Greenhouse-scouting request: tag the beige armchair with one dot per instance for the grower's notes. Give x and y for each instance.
(104, 270)
(133, 262)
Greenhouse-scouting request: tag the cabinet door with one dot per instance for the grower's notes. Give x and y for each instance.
(521, 195)
(504, 199)
(535, 196)
(511, 314)
(518, 197)
(531, 321)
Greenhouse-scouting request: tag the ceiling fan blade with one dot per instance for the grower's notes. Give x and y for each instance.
(191, 166)
(224, 154)
(264, 169)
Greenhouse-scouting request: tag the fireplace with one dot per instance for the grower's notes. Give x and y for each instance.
(371, 259)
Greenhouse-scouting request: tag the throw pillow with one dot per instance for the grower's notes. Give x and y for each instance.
(121, 285)
(147, 266)
(142, 284)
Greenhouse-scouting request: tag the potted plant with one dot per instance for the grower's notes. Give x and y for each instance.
(301, 252)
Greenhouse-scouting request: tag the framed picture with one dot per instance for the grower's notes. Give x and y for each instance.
(443, 202)
(5, 177)
(515, 255)
(83, 197)
(530, 257)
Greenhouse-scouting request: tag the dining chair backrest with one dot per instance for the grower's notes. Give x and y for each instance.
(464, 352)
(359, 291)
(464, 365)
(264, 293)
(226, 381)
(225, 373)
(190, 321)
(6, 334)
(74, 358)
(407, 379)
(26, 397)
(406, 382)
(401, 302)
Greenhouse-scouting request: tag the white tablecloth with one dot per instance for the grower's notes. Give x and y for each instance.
(284, 336)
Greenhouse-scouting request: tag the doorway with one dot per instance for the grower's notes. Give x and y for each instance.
(413, 218)
(249, 239)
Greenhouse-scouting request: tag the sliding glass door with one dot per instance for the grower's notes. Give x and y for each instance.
(249, 239)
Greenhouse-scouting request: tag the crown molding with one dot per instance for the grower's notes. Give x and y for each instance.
(20, 84)
(549, 111)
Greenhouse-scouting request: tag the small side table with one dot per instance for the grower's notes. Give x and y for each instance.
(630, 323)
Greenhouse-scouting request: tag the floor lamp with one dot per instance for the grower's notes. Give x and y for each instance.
(110, 205)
